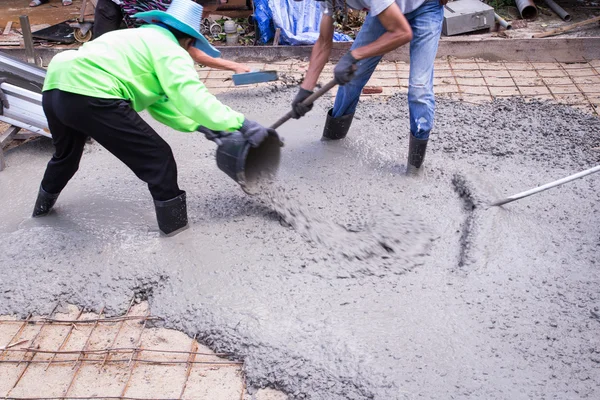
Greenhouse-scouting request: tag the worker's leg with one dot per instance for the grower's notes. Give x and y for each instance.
(349, 94)
(426, 24)
(117, 127)
(339, 118)
(68, 144)
(35, 3)
(107, 17)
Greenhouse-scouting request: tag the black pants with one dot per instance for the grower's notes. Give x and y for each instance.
(118, 128)
(107, 17)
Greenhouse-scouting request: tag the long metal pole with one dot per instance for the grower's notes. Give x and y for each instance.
(546, 186)
(527, 9)
(503, 23)
(559, 10)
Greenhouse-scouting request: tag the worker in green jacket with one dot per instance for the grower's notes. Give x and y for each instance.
(98, 90)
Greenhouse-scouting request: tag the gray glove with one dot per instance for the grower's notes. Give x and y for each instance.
(299, 109)
(3, 99)
(344, 70)
(214, 136)
(255, 133)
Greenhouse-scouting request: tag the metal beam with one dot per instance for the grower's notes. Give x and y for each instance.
(21, 73)
(25, 109)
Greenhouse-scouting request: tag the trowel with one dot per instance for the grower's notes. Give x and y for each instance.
(249, 78)
(545, 187)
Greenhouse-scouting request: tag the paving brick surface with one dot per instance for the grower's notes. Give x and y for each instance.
(577, 84)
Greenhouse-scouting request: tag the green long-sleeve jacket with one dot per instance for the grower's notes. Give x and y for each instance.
(148, 67)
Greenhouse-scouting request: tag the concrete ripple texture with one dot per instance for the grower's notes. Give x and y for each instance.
(350, 281)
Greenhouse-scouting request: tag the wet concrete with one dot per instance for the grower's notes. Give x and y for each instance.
(348, 280)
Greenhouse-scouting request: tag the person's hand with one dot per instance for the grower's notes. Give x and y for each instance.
(214, 136)
(240, 69)
(344, 70)
(255, 133)
(3, 99)
(299, 109)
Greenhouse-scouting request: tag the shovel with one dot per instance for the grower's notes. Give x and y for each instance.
(246, 164)
(545, 187)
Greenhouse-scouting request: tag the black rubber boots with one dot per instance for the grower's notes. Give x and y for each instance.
(337, 128)
(172, 215)
(44, 203)
(416, 154)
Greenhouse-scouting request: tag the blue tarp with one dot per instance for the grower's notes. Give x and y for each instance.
(298, 20)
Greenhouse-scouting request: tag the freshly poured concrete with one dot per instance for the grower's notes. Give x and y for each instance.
(347, 280)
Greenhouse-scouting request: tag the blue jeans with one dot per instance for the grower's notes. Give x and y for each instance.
(426, 23)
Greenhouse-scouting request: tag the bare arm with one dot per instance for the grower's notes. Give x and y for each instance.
(320, 53)
(202, 58)
(398, 34)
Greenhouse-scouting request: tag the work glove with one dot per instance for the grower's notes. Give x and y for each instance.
(3, 99)
(344, 70)
(299, 109)
(214, 136)
(255, 133)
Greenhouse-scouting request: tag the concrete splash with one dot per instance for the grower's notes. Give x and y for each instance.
(386, 242)
(344, 283)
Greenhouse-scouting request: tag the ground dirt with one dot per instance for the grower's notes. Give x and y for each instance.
(351, 280)
(51, 13)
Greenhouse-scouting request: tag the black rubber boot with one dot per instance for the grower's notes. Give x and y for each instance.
(172, 215)
(337, 128)
(416, 154)
(44, 203)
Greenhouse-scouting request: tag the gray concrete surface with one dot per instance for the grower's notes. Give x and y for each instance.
(350, 280)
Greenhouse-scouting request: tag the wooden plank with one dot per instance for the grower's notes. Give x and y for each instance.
(5, 139)
(567, 28)
(7, 28)
(26, 135)
(8, 135)
(276, 38)
(27, 38)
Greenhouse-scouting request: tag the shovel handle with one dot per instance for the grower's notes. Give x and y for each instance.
(308, 101)
(546, 186)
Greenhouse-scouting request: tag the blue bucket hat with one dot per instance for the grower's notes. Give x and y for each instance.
(185, 16)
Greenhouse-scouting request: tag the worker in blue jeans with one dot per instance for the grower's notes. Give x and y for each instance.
(389, 25)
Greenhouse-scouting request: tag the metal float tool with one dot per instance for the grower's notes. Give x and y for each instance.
(249, 78)
(546, 186)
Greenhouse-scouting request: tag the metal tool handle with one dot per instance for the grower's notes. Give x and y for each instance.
(308, 101)
(546, 186)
